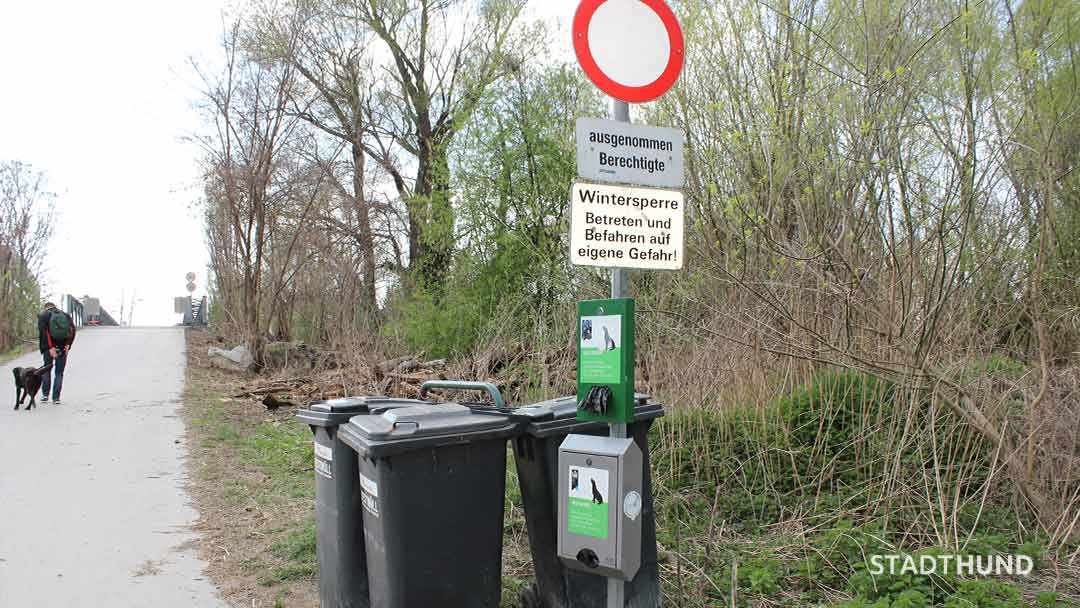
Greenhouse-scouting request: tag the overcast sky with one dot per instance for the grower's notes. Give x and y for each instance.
(99, 96)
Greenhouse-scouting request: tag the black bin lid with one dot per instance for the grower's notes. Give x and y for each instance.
(334, 412)
(422, 426)
(559, 416)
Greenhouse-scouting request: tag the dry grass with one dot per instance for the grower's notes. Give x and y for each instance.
(150, 567)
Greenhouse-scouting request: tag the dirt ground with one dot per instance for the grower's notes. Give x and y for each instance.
(250, 509)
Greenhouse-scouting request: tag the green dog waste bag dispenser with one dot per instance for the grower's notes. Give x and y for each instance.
(606, 360)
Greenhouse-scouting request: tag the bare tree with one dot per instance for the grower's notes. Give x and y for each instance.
(445, 54)
(329, 51)
(248, 107)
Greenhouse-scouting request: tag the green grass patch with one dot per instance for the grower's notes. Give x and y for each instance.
(298, 544)
(279, 452)
(296, 547)
(288, 572)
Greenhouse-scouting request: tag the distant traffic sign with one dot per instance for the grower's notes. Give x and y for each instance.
(191, 287)
(190, 277)
(624, 227)
(619, 152)
(630, 49)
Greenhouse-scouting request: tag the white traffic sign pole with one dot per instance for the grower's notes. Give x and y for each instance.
(620, 288)
(620, 277)
(629, 78)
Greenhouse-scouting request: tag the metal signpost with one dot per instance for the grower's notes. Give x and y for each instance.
(633, 51)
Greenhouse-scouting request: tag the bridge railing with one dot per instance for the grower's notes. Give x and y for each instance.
(74, 308)
(199, 316)
(194, 310)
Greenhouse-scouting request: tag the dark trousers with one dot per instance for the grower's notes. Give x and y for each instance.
(59, 363)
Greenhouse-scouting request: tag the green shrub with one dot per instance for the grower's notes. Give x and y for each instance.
(834, 418)
(835, 554)
(985, 593)
(820, 458)
(448, 327)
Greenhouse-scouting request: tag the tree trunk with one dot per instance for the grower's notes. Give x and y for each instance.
(433, 230)
(364, 227)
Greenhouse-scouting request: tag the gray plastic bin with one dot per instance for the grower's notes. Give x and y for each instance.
(339, 527)
(536, 455)
(433, 478)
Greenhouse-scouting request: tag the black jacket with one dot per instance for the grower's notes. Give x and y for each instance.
(44, 340)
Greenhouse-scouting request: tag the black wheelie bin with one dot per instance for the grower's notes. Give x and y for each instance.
(536, 454)
(433, 478)
(339, 527)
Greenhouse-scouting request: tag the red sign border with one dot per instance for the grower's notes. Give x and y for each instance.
(582, 19)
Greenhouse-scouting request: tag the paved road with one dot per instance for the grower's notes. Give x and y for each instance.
(92, 508)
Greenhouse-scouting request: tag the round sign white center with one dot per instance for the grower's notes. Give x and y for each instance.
(629, 42)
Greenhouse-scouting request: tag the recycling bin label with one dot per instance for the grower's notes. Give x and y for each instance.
(587, 502)
(369, 495)
(324, 460)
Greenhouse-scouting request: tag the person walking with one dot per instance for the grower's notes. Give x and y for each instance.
(56, 334)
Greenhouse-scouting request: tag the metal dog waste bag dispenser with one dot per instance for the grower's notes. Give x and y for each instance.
(606, 360)
(600, 504)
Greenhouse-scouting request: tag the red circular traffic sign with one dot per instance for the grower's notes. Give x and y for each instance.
(609, 83)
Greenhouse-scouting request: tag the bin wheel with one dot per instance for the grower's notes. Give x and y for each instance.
(529, 598)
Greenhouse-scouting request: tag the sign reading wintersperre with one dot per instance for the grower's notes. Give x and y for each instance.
(626, 227)
(612, 151)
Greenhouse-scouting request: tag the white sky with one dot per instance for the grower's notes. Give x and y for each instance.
(99, 96)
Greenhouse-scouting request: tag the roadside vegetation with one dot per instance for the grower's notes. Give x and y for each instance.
(26, 227)
(872, 348)
(252, 482)
(784, 505)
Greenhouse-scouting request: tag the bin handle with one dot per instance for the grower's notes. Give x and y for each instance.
(465, 385)
(408, 423)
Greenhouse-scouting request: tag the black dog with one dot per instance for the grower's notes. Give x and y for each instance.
(597, 497)
(27, 382)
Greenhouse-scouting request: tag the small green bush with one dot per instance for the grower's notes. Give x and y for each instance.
(445, 327)
(985, 593)
(834, 418)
